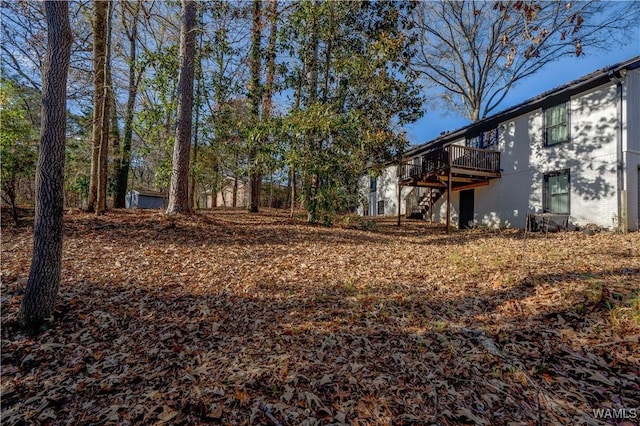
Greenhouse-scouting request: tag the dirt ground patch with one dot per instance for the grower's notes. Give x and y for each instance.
(232, 318)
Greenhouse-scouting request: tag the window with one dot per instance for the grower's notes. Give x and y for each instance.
(490, 139)
(485, 140)
(475, 142)
(556, 192)
(373, 184)
(556, 129)
(381, 207)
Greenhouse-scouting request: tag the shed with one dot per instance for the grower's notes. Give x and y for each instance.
(141, 199)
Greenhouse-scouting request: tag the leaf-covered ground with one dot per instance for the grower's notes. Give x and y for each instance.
(226, 317)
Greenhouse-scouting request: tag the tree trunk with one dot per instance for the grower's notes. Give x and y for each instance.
(122, 174)
(46, 264)
(114, 129)
(103, 154)
(192, 191)
(270, 202)
(312, 180)
(293, 191)
(179, 189)
(255, 99)
(328, 51)
(475, 111)
(267, 102)
(312, 58)
(234, 199)
(99, 58)
(113, 126)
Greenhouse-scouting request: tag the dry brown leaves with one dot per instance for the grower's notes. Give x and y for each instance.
(199, 319)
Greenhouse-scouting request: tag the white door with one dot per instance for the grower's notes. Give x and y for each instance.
(373, 204)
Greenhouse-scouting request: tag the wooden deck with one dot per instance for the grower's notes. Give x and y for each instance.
(465, 167)
(447, 169)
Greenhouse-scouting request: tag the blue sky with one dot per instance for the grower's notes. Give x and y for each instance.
(556, 74)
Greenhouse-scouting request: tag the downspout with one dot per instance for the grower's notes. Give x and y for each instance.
(619, 155)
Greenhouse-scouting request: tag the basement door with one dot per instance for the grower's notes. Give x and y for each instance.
(466, 209)
(373, 204)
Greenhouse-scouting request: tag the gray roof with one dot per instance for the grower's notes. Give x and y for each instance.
(146, 193)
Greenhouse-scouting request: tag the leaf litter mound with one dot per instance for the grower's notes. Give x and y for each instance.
(236, 318)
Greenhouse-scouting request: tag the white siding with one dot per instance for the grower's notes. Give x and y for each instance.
(590, 155)
(632, 111)
(440, 208)
(506, 201)
(631, 147)
(632, 179)
(386, 191)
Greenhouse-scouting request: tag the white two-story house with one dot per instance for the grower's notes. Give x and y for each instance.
(572, 152)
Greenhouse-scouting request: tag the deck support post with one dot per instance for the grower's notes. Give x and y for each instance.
(399, 199)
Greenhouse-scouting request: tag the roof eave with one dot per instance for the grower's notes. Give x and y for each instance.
(545, 99)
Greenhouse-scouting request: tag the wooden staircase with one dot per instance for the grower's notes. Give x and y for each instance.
(418, 207)
(429, 200)
(446, 169)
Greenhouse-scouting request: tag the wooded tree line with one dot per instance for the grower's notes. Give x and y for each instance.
(308, 93)
(182, 96)
(304, 93)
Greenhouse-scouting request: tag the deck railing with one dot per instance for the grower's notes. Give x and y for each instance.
(410, 171)
(465, 157)
(456, 156)
(437, 159)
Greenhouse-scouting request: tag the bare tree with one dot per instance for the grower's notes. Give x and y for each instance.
(46, 264)
(108, 111)
(255, 97)
(477, 51)
(23, 42)
(23, 47)
(97, 187)
(131, 9)
(179, 189)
